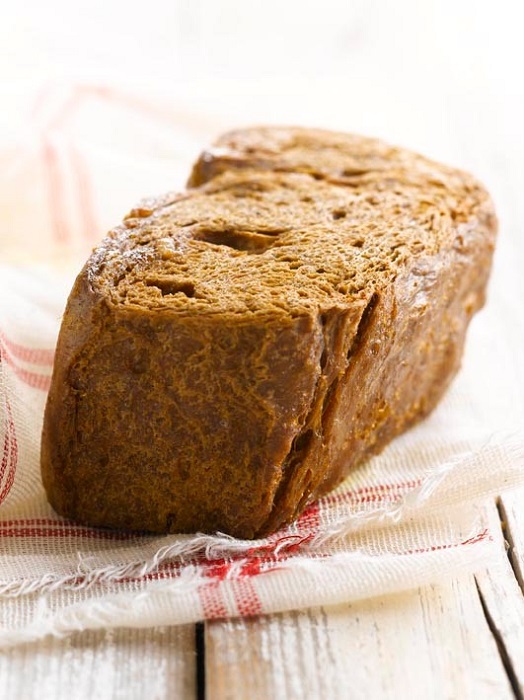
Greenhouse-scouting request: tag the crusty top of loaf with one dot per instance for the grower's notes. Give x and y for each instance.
(285, 221)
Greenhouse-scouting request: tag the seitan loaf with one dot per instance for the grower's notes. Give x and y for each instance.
(230, 353)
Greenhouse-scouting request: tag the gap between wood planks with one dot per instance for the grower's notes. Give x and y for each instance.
(505, 656)
(200, 666)
(511, 549)
(503, 652)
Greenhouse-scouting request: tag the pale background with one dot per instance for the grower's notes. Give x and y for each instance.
(440, 76)
(417, 72)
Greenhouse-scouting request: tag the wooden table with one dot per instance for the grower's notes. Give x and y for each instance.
(463, 638)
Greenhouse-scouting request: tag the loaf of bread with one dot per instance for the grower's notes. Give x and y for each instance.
(228, 354)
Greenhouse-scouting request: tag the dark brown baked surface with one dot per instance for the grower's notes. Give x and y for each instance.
(230, 353)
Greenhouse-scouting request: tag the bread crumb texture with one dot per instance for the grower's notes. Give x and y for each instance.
(229, 353)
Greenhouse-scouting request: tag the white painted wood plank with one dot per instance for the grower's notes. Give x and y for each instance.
(501, 588)
(157, 664)
(512, 512)
(431, 643)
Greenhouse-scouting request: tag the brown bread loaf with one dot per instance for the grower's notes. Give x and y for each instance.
(230, 353)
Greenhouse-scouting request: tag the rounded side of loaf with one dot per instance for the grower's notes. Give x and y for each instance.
(229, 353)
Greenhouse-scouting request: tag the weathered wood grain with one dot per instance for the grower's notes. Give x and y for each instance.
(431, 643)
(156, 664)
(511, 509)
(500, 588)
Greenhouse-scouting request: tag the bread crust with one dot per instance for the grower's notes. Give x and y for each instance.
(230, 353)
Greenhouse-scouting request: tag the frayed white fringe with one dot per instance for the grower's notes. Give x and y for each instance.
(436, 492)
(370, 576)
(94, 614)
(222, 546)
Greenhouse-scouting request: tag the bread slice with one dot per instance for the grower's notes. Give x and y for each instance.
(230, 353)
